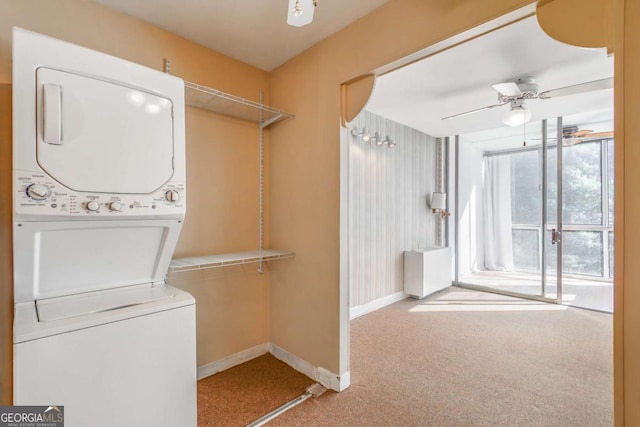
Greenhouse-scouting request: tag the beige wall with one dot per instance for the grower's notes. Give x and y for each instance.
(627, 317)
(305, 160)
(222, 168)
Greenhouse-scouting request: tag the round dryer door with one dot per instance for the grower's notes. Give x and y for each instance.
(101, 136)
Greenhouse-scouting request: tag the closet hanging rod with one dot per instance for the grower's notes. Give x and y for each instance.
(220, 102)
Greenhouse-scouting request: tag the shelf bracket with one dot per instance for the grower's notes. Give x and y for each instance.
(270, 121)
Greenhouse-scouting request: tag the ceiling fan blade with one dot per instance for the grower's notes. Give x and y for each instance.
(600, 135)
(581, 133)
(579, 88)
(573, 140)
(305, 12)
(477, 110)
(578, 137)
(508, 89)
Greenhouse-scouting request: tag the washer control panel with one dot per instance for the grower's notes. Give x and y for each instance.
(38, 194)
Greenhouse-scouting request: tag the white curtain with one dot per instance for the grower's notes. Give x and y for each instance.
(496, 195)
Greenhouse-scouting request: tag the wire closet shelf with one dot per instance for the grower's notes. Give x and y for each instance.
(219, 102)
(226, 104)
(225, 260)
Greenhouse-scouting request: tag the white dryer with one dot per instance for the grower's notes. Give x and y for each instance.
(99, 200)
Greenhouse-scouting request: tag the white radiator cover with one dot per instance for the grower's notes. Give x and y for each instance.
(426, 271)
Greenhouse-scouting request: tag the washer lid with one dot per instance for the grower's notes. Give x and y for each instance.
(60, 258)
(27, 326)
(98, 302)
(102, 136)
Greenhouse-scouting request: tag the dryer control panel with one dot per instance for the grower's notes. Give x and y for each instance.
(38, 194)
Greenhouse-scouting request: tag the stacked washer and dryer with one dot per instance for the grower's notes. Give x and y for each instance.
(99, 200)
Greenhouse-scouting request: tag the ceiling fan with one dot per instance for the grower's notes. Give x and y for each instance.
(516, 92)
(572, 135)
(300, 12)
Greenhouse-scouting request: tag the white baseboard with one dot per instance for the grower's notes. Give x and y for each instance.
(294, 361)
(344, 381)
(374, 305)
(233, 360)
(325, 377)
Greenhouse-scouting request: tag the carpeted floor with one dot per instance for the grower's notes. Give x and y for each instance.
(246, 392)
(467, 358)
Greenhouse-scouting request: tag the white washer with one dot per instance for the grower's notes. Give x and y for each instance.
(99, 200)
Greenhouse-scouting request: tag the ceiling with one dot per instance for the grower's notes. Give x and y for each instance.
(459, 79)
(252, 31)
(506, 138)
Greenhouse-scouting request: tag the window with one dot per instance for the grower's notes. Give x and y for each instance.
(587, 192)
(583, 253)
(610, 176)
(525, 188)
(526, 249)
(582, 184)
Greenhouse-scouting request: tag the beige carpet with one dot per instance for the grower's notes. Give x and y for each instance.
(461, 358)
(466, 358)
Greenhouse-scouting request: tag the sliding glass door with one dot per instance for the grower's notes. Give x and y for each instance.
(536, 219)
(502, 215)
(553, 217)
(585, 222)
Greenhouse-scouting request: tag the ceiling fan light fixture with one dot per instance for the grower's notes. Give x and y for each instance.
(516, 116)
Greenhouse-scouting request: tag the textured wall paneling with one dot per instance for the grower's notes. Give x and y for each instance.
(389, 190)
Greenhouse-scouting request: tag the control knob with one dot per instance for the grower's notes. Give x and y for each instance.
(38, 191)
(93, 206)
(172, 196)
(115, 206)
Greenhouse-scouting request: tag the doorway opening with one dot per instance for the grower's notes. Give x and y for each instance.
(447, 116)
(550, 176)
